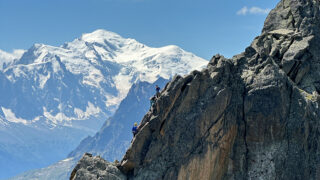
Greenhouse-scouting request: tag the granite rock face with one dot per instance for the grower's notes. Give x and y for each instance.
(255, 116)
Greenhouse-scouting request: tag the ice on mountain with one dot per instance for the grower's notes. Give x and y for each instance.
(11, 117)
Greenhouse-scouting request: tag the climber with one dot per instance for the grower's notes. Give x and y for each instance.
(157, 91)
(135, 129)
(152, 101)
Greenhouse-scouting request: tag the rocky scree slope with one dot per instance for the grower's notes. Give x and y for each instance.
(253, 116)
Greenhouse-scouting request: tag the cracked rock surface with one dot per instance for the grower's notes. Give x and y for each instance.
(255, 116)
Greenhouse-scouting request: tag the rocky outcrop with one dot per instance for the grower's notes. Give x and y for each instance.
(95, 168)
(255, 116)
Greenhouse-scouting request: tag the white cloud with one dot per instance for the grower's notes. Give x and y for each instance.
(253, 10)
(257, 10)
(243, 11)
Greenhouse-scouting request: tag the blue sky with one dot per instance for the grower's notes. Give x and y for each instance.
(204, 27)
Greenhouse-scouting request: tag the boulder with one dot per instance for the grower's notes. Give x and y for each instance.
(92, 168)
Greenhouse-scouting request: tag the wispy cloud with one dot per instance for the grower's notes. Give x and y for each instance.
(253, 10)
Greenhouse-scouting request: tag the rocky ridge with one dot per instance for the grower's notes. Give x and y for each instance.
(255, 116)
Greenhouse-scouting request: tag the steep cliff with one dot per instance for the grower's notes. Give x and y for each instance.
(255, 116)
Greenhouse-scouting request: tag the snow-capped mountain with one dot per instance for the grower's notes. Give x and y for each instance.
(101, 60)
(52, 97)
(111, 141)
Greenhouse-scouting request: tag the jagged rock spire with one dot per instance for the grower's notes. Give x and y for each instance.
(296, 15)
(291, 38)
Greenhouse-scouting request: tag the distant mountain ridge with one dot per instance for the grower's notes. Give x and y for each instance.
(55, 96)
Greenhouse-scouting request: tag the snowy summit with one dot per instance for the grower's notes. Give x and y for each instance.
(104, 61)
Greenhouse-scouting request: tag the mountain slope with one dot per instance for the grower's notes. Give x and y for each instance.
(52, 97)
(255, 116)
(114, 137)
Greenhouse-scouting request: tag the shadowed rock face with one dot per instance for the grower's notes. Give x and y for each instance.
(255, 116)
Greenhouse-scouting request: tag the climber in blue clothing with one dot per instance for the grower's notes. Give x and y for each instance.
(157, 91)
(135, 129)
(152, 101)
